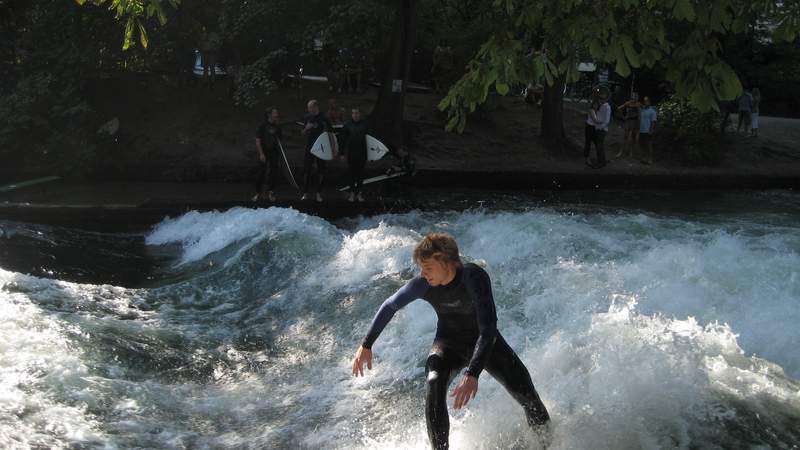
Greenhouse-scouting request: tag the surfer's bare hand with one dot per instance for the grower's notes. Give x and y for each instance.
(262, 157)
(363, 355)
(465, 391)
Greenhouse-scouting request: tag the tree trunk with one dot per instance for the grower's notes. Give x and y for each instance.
(386, 119)
(553, 113)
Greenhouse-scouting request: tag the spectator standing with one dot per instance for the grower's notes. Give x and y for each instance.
(647, 123)
(354, 145)
(603, 118)
(267, 137)
(745, 103)
(314, 124)
(754, 114)
(630, 125)
(588, 130)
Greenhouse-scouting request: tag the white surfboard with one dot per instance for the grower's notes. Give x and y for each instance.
(325, 147)
(376, 179)
(375, 149)
(287, 170)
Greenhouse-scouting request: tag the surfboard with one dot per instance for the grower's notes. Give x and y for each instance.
(325, 147)
(376, 179)
(375, 149)
(287, 171)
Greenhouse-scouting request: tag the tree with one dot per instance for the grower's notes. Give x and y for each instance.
(134, 11)
(387, 116)
(538, 39)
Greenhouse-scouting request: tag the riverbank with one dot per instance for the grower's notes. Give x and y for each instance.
(182, 148)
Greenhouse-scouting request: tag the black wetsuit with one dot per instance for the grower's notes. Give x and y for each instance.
(319, 124)
(268, 133)
(466, 336)
(354, 143)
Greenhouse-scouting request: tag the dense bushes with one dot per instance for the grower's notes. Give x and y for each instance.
(691, 136)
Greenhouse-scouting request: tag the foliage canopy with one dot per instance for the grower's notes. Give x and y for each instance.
(542, 40)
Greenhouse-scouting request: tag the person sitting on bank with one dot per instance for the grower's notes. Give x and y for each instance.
(354, 145)
(267, 137)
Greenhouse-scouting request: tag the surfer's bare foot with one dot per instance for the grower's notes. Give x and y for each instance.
(254, 198)
(271, 196)
(360, 198)
(304, 197)
(319, 197)
(351, 198)
(618, 155)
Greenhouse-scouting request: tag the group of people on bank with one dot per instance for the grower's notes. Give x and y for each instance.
(351, 136)
(638, 122)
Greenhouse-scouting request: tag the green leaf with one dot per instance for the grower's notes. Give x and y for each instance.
(80, 2)
(683, 10)
(630, 53)
(622, 68)
(703, 99)
(596, 49)
(726, 83)
(128, 40)
(142, 35)
(501, 88)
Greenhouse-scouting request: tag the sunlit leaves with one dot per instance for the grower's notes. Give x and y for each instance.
(133, 12)
(683, 10)
(625, 34)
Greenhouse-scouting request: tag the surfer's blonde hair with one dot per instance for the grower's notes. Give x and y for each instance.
(439, 246)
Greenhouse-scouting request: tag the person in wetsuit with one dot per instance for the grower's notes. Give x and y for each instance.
(267, 137)
(354, 144)
(466, 336)
(314, 124)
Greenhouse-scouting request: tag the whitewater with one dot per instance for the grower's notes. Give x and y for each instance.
(640, 330)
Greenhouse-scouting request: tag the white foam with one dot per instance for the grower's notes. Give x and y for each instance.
(639, 331)
(201, 234)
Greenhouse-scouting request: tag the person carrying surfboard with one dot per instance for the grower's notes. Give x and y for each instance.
(314, 124)
(354, 145)
(466, 336)
(267, 137)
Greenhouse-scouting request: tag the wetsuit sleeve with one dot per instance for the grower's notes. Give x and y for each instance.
(413, 290)
(480, 288)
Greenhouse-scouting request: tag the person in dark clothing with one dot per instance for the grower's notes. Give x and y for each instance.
(267, 137)
(354, 144)
(588, 130)
(314, 124)
(466, 336)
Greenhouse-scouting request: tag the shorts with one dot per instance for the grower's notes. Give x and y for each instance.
(631, 125)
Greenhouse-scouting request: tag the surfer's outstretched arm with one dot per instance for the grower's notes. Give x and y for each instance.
(412, 290)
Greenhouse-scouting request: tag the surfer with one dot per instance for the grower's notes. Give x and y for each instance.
(314, 124)
(466, 336)
(354, 144)
(267, 136)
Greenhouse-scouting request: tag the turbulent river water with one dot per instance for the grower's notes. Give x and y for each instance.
(642, 328)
